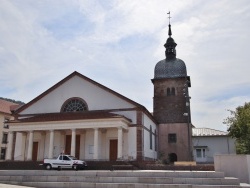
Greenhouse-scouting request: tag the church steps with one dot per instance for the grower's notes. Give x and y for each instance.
(116, 185)
(137, 173)
(118, 179)
(152, 180)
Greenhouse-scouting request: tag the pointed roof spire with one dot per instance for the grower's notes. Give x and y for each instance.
(169, 30)
(169, 25)
(170, 43)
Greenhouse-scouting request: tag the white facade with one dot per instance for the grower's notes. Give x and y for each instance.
(209, 142)
(96, 98)
(113, 124)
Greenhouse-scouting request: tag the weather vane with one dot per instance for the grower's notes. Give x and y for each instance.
(169, 17)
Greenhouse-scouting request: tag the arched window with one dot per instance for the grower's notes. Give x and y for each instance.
(173, 91)
(168, 91)
(74, 105)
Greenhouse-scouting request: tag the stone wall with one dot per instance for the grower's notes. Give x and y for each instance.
(169, 108)
(180, 148)
(234, 166)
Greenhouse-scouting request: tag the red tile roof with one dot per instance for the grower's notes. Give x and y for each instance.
(69, 116)
(5, 106)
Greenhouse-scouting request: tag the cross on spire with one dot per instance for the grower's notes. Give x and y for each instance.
(169, 17)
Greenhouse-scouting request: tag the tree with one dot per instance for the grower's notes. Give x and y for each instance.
(239, 128)
(12, 100)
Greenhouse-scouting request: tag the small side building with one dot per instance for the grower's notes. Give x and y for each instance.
(5, 115)
(208, 142)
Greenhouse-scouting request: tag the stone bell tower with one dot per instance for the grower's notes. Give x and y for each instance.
(171, 105)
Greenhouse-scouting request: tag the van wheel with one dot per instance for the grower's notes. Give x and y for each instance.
(48, 167)
(75, 167)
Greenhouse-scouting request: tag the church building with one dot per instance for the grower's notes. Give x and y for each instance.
(83, 118)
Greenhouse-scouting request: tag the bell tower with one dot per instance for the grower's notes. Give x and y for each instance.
(171, 104)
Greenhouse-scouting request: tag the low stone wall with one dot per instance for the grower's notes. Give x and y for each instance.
(21, 165)
(108, 165)
(234, 166)
(145, 165)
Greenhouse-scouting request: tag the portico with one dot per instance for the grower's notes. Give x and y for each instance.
(93, 138)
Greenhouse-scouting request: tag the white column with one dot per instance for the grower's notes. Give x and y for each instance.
(18, 151)
(51, 143)
(9, 147)
(120, 138)
(43, 138)
(73, 143)
(82, 144)
(96, 143)
(30, 146)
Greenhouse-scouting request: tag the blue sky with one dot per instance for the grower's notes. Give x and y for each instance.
(118, 42)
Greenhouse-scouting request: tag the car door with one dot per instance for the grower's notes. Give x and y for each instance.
(66, 162)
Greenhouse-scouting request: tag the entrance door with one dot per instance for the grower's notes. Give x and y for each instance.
(77, 146)
(68, 145)
(113, 150)
(34, 151)
(172, 157)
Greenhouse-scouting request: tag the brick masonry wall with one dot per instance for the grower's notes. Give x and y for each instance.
(169, 109)
(180, 148)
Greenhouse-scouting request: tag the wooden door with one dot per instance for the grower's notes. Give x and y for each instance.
(68, 145)
(113, 150)
(77, 146)
(34, 151)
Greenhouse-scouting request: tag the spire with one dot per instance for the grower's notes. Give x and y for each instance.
(170, 43)
(169, 25)
(169, 30)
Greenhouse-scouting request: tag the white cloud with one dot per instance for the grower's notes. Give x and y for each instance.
(119, 42)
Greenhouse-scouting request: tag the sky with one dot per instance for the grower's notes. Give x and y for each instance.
(118, 43)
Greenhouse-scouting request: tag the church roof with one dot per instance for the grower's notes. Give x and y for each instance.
(170, 68)
(75, 73)
(68, 116)
(207, 132)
